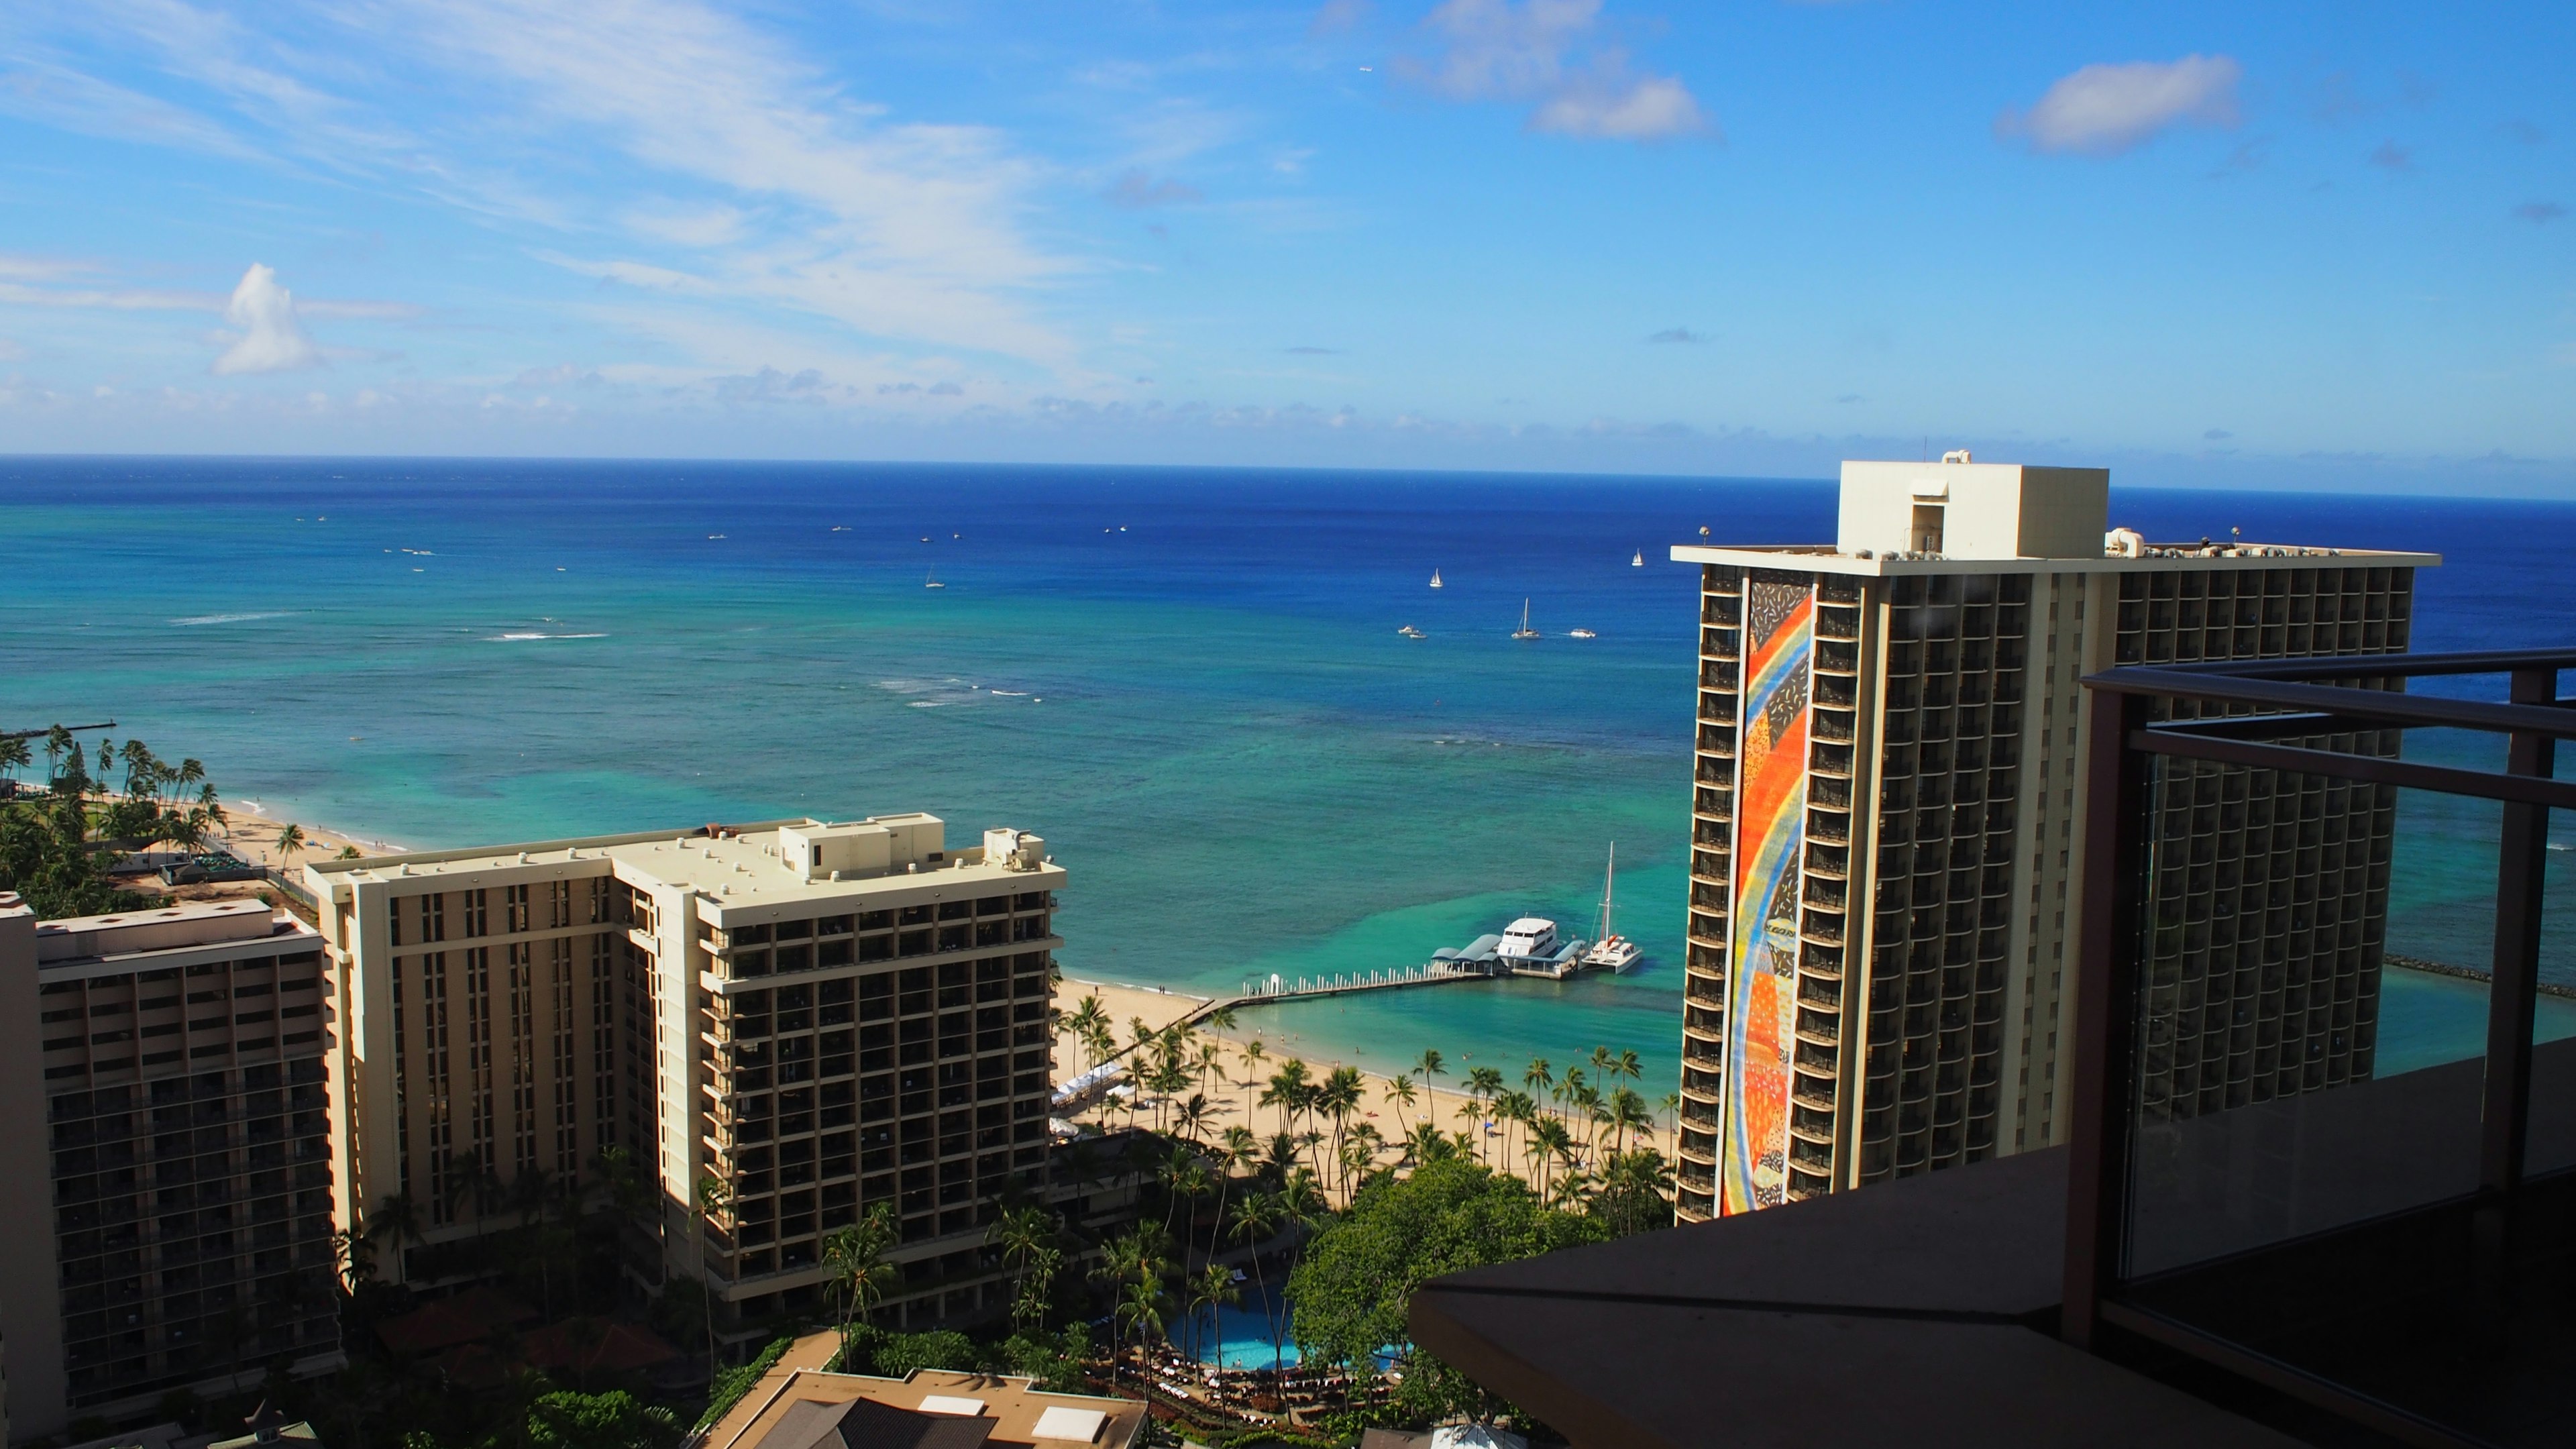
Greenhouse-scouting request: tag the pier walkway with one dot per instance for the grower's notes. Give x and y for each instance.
(1280, 988)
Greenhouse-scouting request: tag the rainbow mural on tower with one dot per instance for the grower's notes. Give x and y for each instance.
(1770, 832)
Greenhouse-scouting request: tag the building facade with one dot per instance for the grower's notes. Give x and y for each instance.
(1887, 815)
(166, 1070)
(778, 1027)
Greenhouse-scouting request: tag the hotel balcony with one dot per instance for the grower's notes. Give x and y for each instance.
(2390, 1260)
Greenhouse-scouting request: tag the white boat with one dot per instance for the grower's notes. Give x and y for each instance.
(1581, 634)
(1409, 632)
(1639, 561)
(932, 582)
(1435, 580)
(1527, 937)
(1525, 631)
(1610, 950)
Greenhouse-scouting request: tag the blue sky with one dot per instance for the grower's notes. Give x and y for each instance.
(2310, 244)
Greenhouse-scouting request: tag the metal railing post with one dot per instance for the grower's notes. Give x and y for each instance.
(2116, 831)
(2522, 873)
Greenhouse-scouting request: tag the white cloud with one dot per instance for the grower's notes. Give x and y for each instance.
(2103, 110)
(1549, 52)
(272, 339)
(1650, 108)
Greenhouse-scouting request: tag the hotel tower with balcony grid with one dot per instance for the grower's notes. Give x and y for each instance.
(818, 1018)
(166, 1114)
(1887, 815)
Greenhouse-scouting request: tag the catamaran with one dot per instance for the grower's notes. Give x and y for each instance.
(932, 582)
(1610, 950)
(1435, 580)
(1639, 560)
(1525, 631)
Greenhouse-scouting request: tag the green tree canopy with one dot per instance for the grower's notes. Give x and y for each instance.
(614, 1420)
(1351, 1288)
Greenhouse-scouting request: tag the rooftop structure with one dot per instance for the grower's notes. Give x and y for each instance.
(163, 1091)
(1888, 814)
(798, 1406)
(817, 1016)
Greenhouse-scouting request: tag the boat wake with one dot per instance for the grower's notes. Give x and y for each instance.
(516, 638)
(200, 620)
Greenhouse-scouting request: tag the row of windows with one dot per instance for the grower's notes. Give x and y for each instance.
(538, 906)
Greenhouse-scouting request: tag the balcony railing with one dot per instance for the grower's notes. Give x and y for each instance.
(2305, 1205)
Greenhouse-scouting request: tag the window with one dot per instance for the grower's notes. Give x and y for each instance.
(514, 908)
(478, 919)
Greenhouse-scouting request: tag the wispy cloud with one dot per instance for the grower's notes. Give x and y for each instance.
(799, 196)
(1681, 335)
(2389, 156)
(2104, 110)
(1313, 351)
(1136, 190)
(2539, 213)
(51, 93)
(1552, 55)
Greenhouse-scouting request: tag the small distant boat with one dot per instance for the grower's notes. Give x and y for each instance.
(1610, 950)
(925, 538)
(1525, 631)
(840, 528)
(1435, 580)
(1581, 634)
(1639, 561)
(1409, 632)
(932, 582)
(710, 536)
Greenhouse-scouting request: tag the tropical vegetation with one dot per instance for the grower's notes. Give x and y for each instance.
(57, 840)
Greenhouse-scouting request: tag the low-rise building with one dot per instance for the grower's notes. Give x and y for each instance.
(780, 1026)
(796, 1405)
(164, 1100)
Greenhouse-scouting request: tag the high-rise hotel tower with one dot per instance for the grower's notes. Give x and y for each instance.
(780, 1026)
(1887, 815)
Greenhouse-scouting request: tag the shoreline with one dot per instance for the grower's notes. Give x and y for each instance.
(1236, 1101)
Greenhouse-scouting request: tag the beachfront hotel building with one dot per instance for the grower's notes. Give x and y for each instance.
(1887, 814)
(165, 1114)
(813, 1017)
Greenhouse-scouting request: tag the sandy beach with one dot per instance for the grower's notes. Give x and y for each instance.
(252, 833)
(1237, 1102)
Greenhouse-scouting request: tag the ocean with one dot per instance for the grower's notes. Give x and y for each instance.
(1189, 681)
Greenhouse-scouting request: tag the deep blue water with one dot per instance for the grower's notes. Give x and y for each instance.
(1188, 680)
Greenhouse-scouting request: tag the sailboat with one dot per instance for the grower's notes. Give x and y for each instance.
(1435, 580)
(1610, 951)
(1639, 560)
(1524, 631)
(932, 582)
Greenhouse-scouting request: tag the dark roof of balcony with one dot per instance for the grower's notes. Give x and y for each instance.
(1920, 1313)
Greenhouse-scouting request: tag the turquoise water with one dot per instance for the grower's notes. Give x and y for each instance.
(1239, 1337)
(1189, 681)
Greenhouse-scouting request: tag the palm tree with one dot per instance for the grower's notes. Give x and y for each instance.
(14, 756)
(1140, 1308)
(1211, 1290)
(1430, 1066)
(1401, 1094)
(1086, 1020)
(1337, 1098)
(1255, 1219)
(714, 1198)
(1286, 1090)
(290, 842)
(1025, 1235)
(856, 1256)
(1192, 1118)
(1253, 1053)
